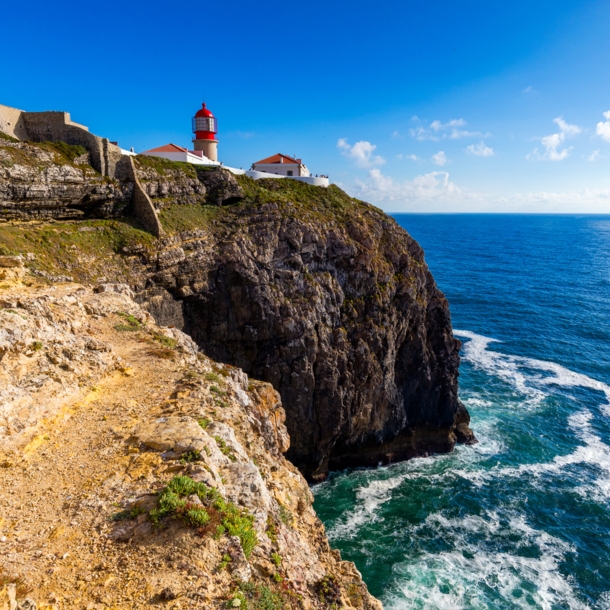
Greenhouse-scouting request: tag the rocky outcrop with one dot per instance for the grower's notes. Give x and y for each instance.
(43, 181)
(151, 473)
(321, 295)
(329, 300)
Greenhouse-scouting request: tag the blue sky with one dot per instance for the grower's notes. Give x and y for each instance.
(415, 106)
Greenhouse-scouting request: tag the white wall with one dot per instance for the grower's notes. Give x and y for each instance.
(186, 157)
(282, 169)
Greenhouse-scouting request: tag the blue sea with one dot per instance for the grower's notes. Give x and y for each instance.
(522, 519)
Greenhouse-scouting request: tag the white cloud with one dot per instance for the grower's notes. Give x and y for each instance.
(411, 157)
(361, 152)
(554, 142)
(439, 158)
(396, 135)
(569, 130)
(594, 156)
(423, 188)
(527, 89)
(603, 127)
(480, 150)
(439, 130)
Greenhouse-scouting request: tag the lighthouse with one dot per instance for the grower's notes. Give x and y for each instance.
(205, 128)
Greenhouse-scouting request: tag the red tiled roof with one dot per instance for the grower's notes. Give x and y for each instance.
(167, 148)
(279, 158)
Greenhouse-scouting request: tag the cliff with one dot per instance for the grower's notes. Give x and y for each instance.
(137, 473)
(320, 294)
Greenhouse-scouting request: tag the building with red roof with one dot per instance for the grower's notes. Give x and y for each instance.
(282, 165)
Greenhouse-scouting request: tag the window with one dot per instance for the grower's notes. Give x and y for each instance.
(289, 173)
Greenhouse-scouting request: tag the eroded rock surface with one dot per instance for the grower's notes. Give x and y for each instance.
(139, 406)
(330, 301)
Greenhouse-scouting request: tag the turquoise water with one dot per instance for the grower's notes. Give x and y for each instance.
(522, 519)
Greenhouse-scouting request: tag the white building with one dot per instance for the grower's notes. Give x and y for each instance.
(173, 152)
(282, 165)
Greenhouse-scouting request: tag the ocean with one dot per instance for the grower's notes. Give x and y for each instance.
(522, 519)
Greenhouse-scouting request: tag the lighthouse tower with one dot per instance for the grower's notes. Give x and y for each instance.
(205, 128)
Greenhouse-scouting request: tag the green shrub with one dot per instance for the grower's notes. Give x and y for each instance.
(131, 323)
(204, 422)
(173, 502)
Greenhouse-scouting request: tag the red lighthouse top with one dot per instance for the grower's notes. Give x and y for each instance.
(205, 125)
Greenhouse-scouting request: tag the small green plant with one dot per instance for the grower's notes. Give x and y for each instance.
(213, 377)
(278, 577)
(226, 560)
(217, 390)
(286, 516)
(131, 324)
(271, 530)
(219, 531)
(173, 502)
(204, 422)
(328, 591)
(256, 597)
(36, 346)
(126, 514)
(165, 340)
(190, 456)
(276, 558)
(224, 448)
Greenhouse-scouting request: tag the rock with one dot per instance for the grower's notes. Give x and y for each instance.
(330, 301)
(122, 532)
(174, 433)
(118, 288)
(239, 566)
(221, 185)
(11, 261)
(168, 594)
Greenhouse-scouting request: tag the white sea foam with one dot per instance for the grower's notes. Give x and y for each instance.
(517, 370)
(369, 498)
(466, 576)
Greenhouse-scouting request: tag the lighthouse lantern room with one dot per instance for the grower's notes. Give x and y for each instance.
(205, 128)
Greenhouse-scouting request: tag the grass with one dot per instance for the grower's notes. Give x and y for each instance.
(173, 502)
(276, 558)
(131, 324)
(165, 167)
(63, 152)
(5, 136)
(176, 218)
(213, 377)
(224, 448)
(165, 340)
(61, 249)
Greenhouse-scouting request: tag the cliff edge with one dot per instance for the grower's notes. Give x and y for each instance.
(320, 294)
(137, 473)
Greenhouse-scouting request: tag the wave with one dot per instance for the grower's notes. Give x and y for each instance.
(473, 576)
(528, 376)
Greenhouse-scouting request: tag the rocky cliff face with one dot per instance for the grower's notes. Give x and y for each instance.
(331, 301)
(152, 475)
(44, 181)
(321, 295)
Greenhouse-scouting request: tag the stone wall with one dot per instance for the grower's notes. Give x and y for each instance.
(142, 207)
(11, 122)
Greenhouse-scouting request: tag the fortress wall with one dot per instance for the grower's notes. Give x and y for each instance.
(142, 207)
(11, 122)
